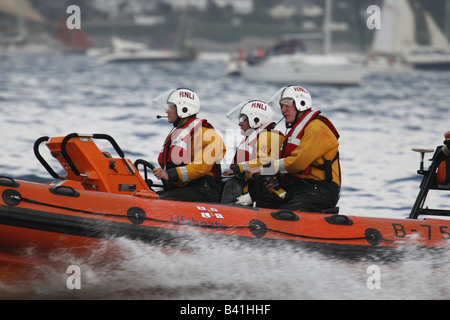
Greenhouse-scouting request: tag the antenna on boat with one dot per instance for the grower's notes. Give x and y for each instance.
(422, 151)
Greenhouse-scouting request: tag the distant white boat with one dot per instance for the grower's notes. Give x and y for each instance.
(428, 58)
(129, 51)
(306, 68)
(236, 62)
(383, 64)
(396, 42)
(234, 67)
(301, 67)
(433, 56)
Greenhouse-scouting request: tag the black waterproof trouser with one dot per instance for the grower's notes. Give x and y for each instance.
(232, 189)
(204, 189)
(303, 195)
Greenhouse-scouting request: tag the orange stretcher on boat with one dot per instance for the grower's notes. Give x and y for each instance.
(102, 197)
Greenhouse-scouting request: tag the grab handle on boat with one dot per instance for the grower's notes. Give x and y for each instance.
(8, 182)
(66, 155)
(119, 151)
(285, 215)
(111, 140)
(65, 191)
(94, 136)
(42, 160)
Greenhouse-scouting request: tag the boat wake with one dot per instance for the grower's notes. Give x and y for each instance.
(128, 269)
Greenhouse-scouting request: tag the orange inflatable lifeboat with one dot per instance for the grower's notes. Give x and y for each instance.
(102, 197)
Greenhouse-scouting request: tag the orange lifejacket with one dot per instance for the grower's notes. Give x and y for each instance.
(176, 150)
(443, 172)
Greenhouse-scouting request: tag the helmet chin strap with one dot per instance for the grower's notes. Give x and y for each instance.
(290, 125)
(180, 120)
(177, 122)
(247, 132)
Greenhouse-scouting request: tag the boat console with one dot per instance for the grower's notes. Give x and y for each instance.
(88, 168)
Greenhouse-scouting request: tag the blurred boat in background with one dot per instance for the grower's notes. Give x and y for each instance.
(299, 66)
(395, 46)
(129, 51)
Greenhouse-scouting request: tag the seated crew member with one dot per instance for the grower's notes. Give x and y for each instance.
(308, 168)
(261, 143)
(191, 154)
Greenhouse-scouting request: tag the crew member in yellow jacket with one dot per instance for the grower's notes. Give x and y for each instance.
(261, 143)
(192, 152)
(308, 168)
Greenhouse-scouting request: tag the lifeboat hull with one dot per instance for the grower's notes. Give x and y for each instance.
(31, 215)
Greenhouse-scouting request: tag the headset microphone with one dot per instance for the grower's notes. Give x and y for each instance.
(159, 117)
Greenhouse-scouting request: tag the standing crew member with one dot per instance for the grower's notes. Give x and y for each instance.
(191, 154)
(308, 168)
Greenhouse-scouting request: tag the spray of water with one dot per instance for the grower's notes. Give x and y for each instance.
(127, 269)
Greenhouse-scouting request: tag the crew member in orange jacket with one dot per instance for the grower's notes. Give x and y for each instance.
(308, 168)
(191, 154)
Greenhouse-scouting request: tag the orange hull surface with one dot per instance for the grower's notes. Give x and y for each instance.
(31, 215)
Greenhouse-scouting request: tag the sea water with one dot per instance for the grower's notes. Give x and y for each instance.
(379, 122)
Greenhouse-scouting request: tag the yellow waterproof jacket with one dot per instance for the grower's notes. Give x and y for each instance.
(267, 147)
(206, 151)
(306, 161)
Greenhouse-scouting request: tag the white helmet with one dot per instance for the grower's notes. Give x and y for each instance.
(257, 112)
(300, 96)
(186, 101)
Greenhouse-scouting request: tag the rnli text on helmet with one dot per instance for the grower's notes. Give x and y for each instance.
(300, 89)
(185, 94)
(259, 105)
